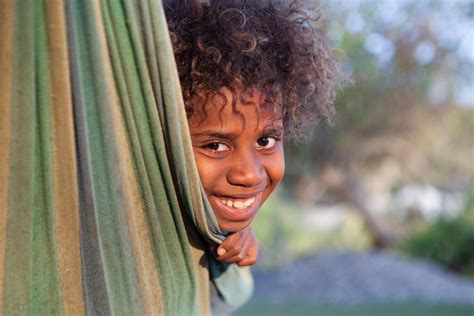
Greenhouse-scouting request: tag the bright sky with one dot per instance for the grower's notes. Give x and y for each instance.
(451, 28)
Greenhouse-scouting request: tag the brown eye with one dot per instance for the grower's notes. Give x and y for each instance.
(266, 142)
(215, 146)
(263, 141)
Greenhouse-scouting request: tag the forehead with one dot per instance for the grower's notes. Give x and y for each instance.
(246, 110)
(224, 108)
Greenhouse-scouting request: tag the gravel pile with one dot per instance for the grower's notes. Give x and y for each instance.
(352, 277)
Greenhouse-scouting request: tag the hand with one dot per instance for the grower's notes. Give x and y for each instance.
(240, 247)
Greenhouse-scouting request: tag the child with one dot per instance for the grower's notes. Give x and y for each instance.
(251, 73)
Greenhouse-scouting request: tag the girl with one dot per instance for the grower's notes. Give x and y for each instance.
(252, 73)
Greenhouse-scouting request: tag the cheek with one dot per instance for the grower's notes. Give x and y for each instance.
(209, 171)
(275, 167)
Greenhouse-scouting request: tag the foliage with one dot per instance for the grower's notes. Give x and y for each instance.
(406, 118)
(398, 93)
(284, 231)
(448, 241)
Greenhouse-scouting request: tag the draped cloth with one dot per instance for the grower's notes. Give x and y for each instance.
(101, 208)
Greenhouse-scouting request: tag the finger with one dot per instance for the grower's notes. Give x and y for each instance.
(252, 255)
(230, 246)
(242, 254)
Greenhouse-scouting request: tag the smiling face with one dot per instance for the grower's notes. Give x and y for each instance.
(239, 156)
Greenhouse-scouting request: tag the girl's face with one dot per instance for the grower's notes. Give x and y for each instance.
(239, 156)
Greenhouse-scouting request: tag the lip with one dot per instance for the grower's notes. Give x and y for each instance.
(238, 196)
(233, 214)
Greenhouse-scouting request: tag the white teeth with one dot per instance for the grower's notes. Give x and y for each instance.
(239, 204)
(249, 202)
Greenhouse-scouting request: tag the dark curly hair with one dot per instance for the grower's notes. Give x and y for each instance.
(243, 44)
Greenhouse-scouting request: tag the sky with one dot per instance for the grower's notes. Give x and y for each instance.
(449, 22)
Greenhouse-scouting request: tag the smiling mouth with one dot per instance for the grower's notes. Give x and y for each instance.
(236, 209)
(240, 204)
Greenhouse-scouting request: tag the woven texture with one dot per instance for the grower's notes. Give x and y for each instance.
(101, 208)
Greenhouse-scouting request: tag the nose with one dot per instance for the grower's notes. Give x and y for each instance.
(247, 170)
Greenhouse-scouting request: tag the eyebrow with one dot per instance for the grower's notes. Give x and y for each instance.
(267, 130)
(216, 135)
(273, 130)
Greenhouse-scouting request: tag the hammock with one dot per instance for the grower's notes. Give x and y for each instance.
(101, 208)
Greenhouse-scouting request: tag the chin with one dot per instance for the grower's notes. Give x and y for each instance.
(233, 227)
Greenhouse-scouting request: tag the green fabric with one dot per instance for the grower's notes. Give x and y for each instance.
(31, 258)
(130, 170)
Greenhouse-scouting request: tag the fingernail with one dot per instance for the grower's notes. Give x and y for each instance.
(221, 251)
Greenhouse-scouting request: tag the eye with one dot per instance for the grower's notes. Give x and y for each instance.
(217, 147)
(266, 142)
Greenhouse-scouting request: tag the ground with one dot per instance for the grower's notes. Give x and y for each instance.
(356, 283)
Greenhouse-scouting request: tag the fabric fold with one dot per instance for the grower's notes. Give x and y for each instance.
(101, 207)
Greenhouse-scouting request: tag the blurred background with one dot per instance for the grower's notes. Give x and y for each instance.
(376, 213)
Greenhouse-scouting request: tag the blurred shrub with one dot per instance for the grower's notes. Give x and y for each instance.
(448, 241)
(286, 232)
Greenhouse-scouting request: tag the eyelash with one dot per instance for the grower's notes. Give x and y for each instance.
(215, 151)
(208, 145)
(275, 139)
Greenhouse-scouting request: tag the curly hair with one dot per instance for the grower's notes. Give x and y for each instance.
(242, 44)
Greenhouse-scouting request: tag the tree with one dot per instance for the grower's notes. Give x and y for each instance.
(409, 72)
